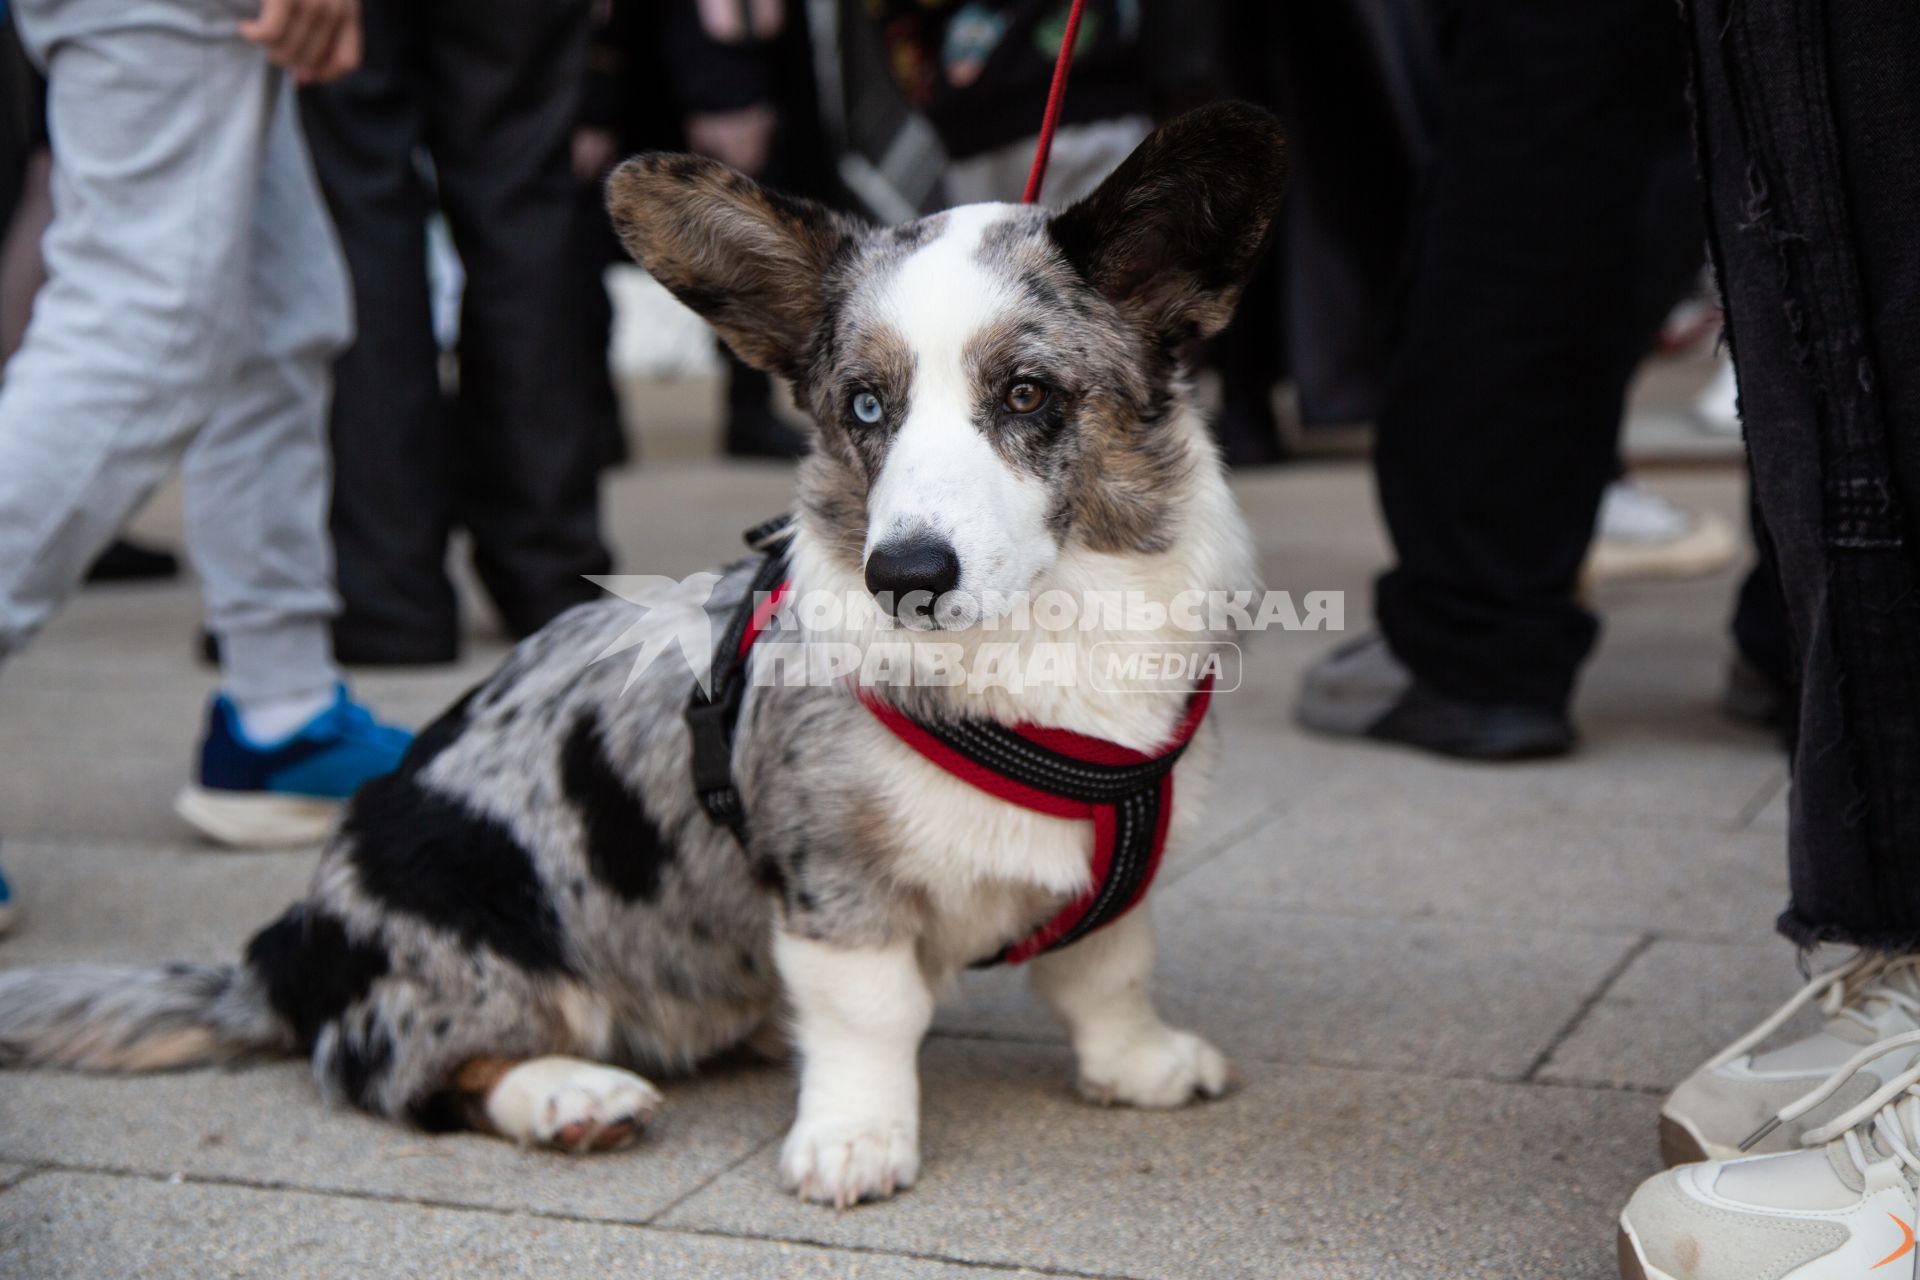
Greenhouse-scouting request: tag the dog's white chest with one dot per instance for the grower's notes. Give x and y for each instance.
(985, 866)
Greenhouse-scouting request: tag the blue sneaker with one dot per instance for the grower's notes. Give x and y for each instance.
(6, 904)
(259, 795)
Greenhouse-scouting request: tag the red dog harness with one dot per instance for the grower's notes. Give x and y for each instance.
(1126, 794)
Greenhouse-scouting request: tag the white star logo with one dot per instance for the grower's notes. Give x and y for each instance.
(684, 622)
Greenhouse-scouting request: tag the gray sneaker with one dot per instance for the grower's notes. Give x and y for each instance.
(1361, 690)
(1871, 998)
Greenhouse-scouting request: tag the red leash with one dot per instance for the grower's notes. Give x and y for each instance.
(1056, 98)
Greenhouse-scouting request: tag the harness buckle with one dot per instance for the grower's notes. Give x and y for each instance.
(710, 723)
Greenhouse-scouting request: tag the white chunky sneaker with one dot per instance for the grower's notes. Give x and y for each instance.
(1871, 998)
(1841, 1209)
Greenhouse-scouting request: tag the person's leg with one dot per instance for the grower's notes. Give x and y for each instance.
(503, 97)
(159, 113)
(392, 447)
(1819, 257)
(1499, 430)
(256, 477)
(1809, 133)
(284, 743)
(155, 111)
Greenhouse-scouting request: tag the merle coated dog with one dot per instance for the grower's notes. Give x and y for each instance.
(534, 908)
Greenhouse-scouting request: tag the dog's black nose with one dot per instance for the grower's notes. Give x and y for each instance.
(919, 563)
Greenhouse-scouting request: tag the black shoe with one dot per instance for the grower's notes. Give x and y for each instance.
(1436, 723)
(125, 561)
(1361, 690)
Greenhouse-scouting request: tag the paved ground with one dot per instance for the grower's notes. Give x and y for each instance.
(1454, 994)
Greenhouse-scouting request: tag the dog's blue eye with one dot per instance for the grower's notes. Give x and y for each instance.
(867, 407)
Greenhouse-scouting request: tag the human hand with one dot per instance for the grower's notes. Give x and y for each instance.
(739, 138)
(317, 40)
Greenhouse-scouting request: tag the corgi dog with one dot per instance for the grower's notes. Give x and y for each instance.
(535, 909)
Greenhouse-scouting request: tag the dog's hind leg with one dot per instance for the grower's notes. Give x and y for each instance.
(553, 1101)
(1098, 988)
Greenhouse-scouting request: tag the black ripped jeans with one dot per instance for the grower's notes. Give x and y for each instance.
(1808, 121)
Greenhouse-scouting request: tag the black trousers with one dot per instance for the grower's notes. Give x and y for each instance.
(1524, 320)
(1809, 134)
(489, 91)
(23, 120)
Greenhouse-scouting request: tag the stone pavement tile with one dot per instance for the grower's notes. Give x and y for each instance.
(1677, 1005)
(68, 1226)
(267, 1125)
(1772, 813)
(91, 790)
(1307, 1172)
(1574, 871)
(1300, 512)
(96, 901)
(1680, 766)
(1241, 797)
(1414, 996)
(10, 1173)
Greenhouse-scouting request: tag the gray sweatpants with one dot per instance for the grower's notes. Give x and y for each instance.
(196, 299)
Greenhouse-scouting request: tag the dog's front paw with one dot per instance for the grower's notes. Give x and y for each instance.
(844, 1161)
(571, 1104)
(1164, 1069)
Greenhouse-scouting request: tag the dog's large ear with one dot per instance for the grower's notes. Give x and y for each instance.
(748, 259)
(1173, 234)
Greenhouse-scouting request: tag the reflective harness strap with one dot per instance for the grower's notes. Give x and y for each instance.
(1126, 794)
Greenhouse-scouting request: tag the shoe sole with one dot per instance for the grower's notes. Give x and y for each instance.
(1678, 1145)
(1707, 548)
(249, 821)
(1494, 751)
(1632, 1265)
(1363, 719)
(1492, 739)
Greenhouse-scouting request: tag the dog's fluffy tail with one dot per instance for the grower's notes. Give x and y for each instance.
(122, 1018)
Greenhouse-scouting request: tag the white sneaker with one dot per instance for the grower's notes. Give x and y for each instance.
(1642, 535)
(1871, 998)
(1843, 1209)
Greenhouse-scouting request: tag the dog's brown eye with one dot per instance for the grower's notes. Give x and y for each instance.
(1025, 397)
